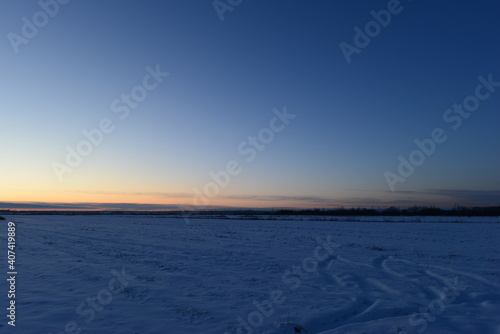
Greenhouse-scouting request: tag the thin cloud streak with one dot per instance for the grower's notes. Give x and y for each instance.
(275, 198)
(84, 206)
(126, 193)
(460, 196)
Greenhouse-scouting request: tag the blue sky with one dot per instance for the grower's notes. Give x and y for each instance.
(225, 78)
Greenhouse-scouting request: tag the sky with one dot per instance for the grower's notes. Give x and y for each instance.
(256, 104)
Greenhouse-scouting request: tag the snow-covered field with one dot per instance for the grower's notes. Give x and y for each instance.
(151, 274)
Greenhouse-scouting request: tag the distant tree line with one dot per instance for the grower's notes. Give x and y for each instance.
(395, 211)
(223, 213)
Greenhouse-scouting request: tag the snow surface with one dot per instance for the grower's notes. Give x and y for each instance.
(222, 276)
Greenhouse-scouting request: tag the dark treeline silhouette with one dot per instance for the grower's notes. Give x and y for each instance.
(394, 211)
(391, 211)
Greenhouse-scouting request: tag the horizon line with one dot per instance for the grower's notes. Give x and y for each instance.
(148, 207)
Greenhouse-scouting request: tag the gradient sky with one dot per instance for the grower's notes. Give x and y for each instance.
(225, 78)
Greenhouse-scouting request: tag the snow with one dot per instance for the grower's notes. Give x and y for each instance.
(152, 274)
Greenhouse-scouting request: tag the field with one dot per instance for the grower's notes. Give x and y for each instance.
(152, 274)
